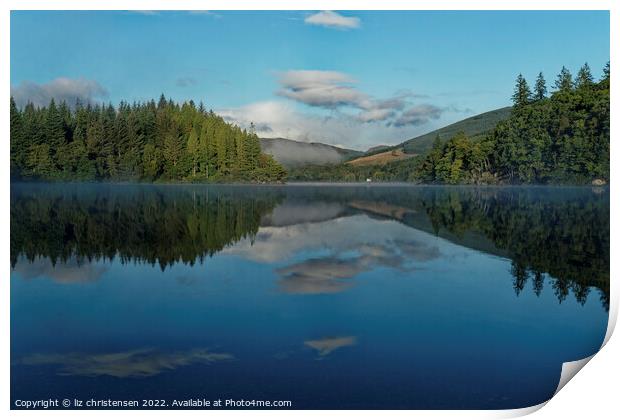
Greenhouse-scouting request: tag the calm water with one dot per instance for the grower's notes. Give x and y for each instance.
(327, 296)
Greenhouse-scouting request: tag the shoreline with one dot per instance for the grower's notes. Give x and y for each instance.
(309, 184)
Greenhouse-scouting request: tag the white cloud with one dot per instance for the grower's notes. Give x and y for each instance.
(418, 115)
(375, 115)
(282, 119)
(61, 89)
(331, 19)
(335, 91)
(329, 89)
(347, 116)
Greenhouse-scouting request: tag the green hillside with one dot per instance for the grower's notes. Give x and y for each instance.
(472, 126)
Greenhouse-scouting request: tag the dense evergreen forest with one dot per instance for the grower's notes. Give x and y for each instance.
(142, 141)
(561, 138)
(548, 139)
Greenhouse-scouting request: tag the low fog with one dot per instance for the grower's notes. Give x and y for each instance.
(292, 153)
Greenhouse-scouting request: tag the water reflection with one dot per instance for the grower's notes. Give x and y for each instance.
(325, 346)
(561, 232)
(331, 297)
(161, 225)
(70, 271)
(129, 364)
(330, 274)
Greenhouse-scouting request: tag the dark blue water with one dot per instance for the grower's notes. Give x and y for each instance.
(328, 297)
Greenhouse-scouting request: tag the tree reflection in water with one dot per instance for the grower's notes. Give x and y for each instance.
(555, 234)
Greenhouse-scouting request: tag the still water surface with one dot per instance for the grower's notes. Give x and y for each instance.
(327, 296)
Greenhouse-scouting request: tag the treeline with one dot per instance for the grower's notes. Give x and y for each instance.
(147, 141)
(561, 138)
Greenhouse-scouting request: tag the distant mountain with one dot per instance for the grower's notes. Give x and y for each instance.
(291, 153)
(295, 154)
(472, 126)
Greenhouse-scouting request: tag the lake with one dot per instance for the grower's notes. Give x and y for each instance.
(327, 296)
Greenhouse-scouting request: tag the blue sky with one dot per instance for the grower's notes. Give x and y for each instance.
(350, 78)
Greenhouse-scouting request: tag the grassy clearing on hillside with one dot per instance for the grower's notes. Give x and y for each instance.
(381, 158)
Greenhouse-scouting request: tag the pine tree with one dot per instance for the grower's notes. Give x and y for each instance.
(252, 150)
(54, 127)
(18, 145)
(564, 82)
(40, 162)
(193, 151)
(172, 153)
(81, 124)
(152, 161)
(94, 143)
(584, 77)
(221, 151)
(204, 147)
(67, 119)
(124, 168)
(604, 83)
(540, 89)
(33, 129)
(162, 102)
(64, 156)
(522, 93)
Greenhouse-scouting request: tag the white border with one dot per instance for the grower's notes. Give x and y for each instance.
(593, 394)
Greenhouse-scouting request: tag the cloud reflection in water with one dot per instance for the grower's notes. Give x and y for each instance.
(71, 271)
(130, 364)
(327, 345)
(354, 244)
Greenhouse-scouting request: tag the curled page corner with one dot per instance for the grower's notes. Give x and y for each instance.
(521, 412)
(569, 370)
(611, 321)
